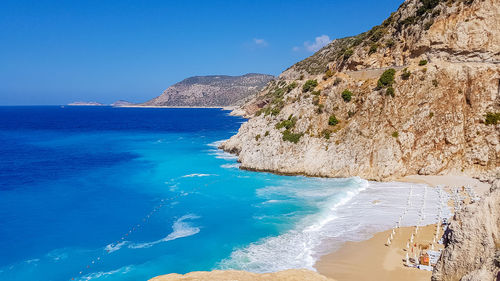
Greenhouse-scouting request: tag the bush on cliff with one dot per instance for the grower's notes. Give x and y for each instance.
(287, 124)
(291, 137)
(332, 121)
(492, 118)
(347, 95)
(390, 91)
(386, 79)
(309, 85)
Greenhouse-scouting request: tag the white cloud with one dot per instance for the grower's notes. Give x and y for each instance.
(319, 42)
(260, 42)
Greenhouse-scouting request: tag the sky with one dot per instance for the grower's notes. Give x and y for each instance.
(57, 52)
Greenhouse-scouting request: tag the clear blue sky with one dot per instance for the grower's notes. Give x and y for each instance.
(56, 52)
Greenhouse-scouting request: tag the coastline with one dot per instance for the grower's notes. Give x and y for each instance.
(368, 259)
(158, 106)
(371, 259)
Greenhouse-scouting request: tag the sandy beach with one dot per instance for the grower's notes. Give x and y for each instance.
(373, 260)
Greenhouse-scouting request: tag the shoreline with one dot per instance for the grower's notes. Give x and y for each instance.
(161, 106)
(371, 259)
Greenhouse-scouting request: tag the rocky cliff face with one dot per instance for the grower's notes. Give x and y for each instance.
(418, 94)
(472, 242)
(217, 90)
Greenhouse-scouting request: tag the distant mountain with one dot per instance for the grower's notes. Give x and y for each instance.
(213, 90)
(119, 103)
(86, 103)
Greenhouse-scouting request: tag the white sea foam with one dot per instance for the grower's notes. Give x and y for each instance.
(230, 166)
(32, 261)
(219, 153)
(348, 211)
(96, 275)
(115, 247)
(180, 228)
(197, 175)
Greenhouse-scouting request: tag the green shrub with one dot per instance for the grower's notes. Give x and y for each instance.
(257, 137)
(492, 118)
(348, 53)
(287, 124)
(431, 114)
(309, 85)
(386, 79)
(332, 121)
(390, 91)
(350, 114)
(266, 134)
(292, 86)
(275, 111)
(377, 34)
(316, 93)
(427, 5)
(347, 95)
(406, 74)
(389, 43)
(328, 74)
(291, 137)
(326, 134)
(373, 48)
(422, 62)
(395, 134)
(408, 21)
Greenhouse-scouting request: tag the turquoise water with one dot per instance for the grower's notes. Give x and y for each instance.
(100, 193)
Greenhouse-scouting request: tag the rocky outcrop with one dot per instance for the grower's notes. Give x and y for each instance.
(429, 119)
(86, 103)
(472, 242)
(231, 275)
(122, 103)
(215, 90)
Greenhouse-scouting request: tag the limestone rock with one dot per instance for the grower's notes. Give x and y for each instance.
(447, 78)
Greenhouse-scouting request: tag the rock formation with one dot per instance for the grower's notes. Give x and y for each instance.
(215, 90)
(231, 275)
(418, 94)
(472, 242)
(123, 103)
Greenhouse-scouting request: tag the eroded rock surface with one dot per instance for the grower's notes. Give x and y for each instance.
(447, 79)
(472, 242)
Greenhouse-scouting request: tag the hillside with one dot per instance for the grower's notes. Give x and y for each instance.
(214, 90)
(418, 94)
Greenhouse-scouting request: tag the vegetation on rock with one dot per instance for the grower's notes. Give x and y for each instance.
(332, 121)
(309, 85)
(386, 79)
(347, 95)
(492, 118)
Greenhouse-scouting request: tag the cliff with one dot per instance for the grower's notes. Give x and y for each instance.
(418, 94)
(472, 242)
(230, 275)
(216, 90)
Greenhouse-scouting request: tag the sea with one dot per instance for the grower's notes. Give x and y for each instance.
(103, 193)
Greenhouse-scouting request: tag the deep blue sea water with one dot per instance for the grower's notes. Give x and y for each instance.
(101, 193)
(107, 193)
